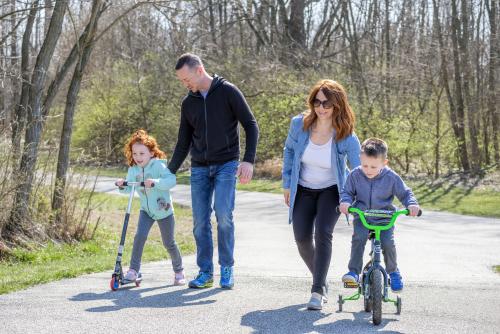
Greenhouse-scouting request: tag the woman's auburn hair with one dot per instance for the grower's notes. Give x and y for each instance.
(343, 118)
(142, 137)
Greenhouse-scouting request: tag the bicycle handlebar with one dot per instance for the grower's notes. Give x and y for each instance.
(393, 215)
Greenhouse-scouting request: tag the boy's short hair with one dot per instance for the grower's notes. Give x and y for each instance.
(374, 147)
(190, 60)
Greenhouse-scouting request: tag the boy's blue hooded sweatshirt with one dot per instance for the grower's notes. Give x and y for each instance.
(155, 201)
(376, 193)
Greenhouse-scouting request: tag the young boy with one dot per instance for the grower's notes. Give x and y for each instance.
(373, 185)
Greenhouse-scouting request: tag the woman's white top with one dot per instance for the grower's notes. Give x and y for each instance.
(316, 170)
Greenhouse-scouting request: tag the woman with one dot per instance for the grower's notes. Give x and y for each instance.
(314, 171)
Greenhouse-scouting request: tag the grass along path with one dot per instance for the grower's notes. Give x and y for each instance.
(25, 268)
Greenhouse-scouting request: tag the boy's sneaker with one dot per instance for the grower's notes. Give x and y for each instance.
(203, 280)
(350, 280)
(179, 278)
(396, 281)
(226, 277)
(131, 275)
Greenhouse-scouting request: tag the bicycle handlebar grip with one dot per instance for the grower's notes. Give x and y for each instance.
(418, 214)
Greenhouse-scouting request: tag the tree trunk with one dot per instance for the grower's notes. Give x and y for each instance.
(493, 103)
(462, 143)
(467, 78)
(296, 29)
(20, 211)
(387, 74)
(19, 118)
(69, 111)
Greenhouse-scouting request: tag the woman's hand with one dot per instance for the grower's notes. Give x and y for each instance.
(286, 193)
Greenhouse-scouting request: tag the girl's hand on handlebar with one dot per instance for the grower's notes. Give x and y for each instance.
(414, 209)
(149, 183)
(344, 207)
(119, 183)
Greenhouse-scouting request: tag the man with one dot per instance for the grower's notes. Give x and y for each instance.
(209, 131)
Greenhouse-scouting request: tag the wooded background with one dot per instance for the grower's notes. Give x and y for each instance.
(77, 77)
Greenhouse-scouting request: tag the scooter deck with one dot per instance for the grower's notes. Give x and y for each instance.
(126, 281)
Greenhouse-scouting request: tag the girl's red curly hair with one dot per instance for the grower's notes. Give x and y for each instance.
(142, 137)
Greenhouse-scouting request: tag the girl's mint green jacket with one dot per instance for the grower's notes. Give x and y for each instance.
(155, 201)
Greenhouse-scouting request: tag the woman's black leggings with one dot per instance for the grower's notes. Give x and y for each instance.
(315, 210)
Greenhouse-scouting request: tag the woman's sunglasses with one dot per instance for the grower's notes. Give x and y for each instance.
(326, 103)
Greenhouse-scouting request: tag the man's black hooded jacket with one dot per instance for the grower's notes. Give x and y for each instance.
(209, 127)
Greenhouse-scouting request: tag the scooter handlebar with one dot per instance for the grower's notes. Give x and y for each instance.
(130, 183)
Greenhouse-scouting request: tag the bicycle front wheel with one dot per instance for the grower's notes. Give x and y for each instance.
(376, 284)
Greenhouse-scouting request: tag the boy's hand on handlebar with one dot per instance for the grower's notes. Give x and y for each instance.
(414, 209)
(149, 183)
(344, 207)
(119, 183)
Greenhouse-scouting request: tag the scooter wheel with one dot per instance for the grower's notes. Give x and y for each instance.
(340, 301)
(114, 284)
(137, 283)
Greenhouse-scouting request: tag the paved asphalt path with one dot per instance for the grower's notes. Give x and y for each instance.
(445, 260)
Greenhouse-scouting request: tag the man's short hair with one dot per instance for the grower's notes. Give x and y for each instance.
(374, 147)
(188, 59)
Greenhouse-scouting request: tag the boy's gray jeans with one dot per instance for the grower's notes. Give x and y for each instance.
(358, 243)
(167, 235)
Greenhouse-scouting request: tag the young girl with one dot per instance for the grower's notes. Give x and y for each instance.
(146, 165)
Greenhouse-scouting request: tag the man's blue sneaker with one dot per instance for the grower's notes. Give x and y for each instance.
(203, 280)
(396, 281)
(226, 277)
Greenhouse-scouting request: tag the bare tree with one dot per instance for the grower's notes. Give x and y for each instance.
(84, 51)
(20, 213)
(493, 102)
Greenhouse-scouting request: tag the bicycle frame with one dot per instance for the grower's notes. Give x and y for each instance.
(376, 251)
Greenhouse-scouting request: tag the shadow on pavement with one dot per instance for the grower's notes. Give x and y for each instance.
(296, 319)
(134, 298)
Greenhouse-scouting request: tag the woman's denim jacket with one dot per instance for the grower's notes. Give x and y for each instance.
(295, 145)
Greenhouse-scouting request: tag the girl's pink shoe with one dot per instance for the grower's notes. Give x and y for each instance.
(131, 275)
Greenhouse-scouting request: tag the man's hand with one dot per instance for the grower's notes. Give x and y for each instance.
(148, 183)
(344, 207)
(245, 172)
(414, 209)
(286, 193)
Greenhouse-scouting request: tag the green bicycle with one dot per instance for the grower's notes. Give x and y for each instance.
(374, 282)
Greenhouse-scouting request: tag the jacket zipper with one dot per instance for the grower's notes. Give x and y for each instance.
(146, 193)
(206, 127)
(371, 186)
